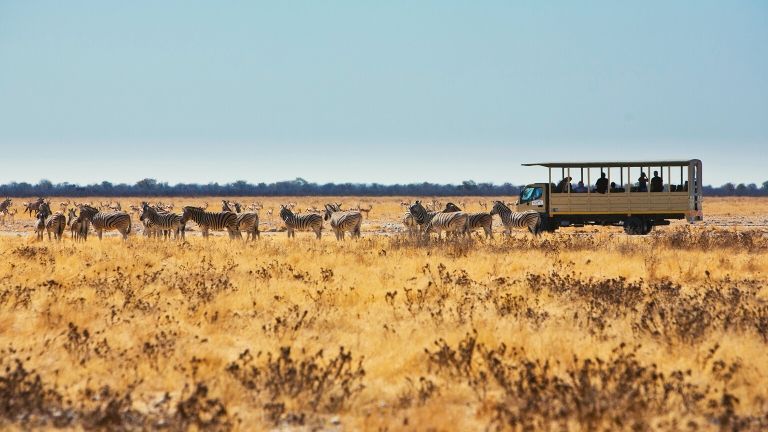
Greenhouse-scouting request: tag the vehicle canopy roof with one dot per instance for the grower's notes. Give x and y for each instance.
(679, 162)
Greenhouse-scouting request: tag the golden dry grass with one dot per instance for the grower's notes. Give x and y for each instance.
(580, 330)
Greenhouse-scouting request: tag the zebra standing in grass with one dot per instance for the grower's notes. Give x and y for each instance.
(42, 214)
(55, 224)
(342, 221)
(447, 220)
(78, 229)
(105, 221)
(475, 220)
(414, 223)
(162, 221)
(248, 221)
(529, 219)
(301, 222)
(33, 206)
(211, 221)
(5, 205)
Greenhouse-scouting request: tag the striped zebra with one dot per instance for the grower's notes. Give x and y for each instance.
(42, 214)
(342, 221)
(475, 221)
(449, 221)
(105, 221)
(164, 221)
(211, 221)
(56, 225)
(78, 229)
(5, 205)
(301, 222)
(528, 219)
(33, 206)
(248, 222)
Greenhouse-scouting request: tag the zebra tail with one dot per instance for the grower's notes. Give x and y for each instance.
(128, 231)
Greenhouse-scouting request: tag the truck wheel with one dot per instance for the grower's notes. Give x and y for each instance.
(634, 226)
(648, 226)
(548, 224)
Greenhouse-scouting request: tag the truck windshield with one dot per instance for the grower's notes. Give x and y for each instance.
(530, 193)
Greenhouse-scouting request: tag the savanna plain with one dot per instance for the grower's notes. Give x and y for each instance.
(582, 329)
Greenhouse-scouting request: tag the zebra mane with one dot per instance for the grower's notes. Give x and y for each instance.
(502, 206)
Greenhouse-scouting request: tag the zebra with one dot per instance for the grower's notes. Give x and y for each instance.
(162, 221)
(447, 220)
(78, 229)
(5, 208)
(211, 221)
(343, 221)
(5, 205)
(476, 220)
(529, 219)
(301, 222)
(56, 225)
(105, 221)
(248, 222)
(42, 214)
(33, 206)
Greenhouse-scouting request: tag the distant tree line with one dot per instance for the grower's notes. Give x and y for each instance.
(301, 187)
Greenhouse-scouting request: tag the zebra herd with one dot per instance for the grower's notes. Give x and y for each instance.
(160, 221)
(454, 221)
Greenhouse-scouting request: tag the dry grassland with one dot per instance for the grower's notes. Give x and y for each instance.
(584, 329)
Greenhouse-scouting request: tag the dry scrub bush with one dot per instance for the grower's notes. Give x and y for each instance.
(579, 331)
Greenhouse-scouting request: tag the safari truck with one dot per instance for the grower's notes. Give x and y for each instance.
(634, 195)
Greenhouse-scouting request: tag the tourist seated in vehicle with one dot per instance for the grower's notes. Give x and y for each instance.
(602, 184)
(580, 188)
(657, 184)
(615, 189)
(642, 182)
(563, 185)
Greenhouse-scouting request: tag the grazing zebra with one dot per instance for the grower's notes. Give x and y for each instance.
(528, 219)
(476, 220)
(211, 221)
(449, 220)
(162, 221)
(342, 221)
(301, 222)
(78, 229)
(105, 221)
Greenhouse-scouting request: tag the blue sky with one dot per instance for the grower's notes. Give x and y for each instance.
(396, 91)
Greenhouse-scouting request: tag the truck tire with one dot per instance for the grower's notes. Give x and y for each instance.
(548, 224)
(634, 225)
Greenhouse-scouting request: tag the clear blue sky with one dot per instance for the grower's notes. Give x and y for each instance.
(388, 91)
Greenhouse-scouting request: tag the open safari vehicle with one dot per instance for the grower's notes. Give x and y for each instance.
(636, 195)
